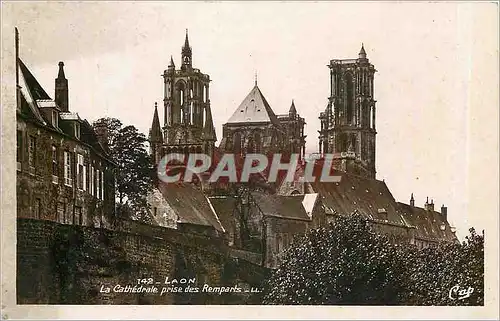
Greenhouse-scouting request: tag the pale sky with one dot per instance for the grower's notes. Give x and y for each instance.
(436, 86)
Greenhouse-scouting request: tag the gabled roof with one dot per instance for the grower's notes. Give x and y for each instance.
(297, 207)
(190, 205)
(369, 197)
(254, 109)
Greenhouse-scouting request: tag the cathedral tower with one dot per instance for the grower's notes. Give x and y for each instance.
(188, 125)
(348, 123)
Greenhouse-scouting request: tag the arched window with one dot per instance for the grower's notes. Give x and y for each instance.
(349, 97)
(204, 116)
(258, 142)
(365, 112)
(372, 124)
(204, 91)
(191, 113)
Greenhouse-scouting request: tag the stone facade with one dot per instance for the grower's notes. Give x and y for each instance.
(64, 173)
(255, 128)
(348, 123)
(64, 264)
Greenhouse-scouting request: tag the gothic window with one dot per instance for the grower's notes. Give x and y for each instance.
(366, 114)
(258, 142)
(372, 124)
(237, 143)
(191, 112)
(349, 97)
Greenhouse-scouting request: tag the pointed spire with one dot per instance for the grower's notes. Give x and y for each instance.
(155, 127)
(186, 41)
(171, 62)
(61, 75)
(292, 110)
(256, 78)
(186, 52)
(362, 52)
(412, 200)
(209, 129)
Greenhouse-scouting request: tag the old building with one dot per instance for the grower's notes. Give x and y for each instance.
(64, 173)
(348, 123)
(255, 128)
(188, 125)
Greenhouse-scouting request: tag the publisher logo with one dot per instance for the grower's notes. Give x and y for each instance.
(458, 293)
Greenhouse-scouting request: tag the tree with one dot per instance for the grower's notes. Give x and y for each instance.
(348, 263)
(435, 274)
(344, 263)
(135, 171)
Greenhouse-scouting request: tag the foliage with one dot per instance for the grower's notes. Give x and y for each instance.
(134, 181)
(347, 263)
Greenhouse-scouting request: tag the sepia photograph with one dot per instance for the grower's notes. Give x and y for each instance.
(249, 158)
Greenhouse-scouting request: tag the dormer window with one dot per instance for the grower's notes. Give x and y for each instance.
(76, 127)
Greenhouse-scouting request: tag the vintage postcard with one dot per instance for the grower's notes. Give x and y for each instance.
(276, 160)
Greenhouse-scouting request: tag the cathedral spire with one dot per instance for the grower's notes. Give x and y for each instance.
(362, 52)
(187, 53)
(292, 110)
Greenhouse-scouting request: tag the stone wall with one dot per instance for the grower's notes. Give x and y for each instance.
(67, 264)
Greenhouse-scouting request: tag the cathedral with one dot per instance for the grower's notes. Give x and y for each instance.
(188, 125)
(348, 123)
(258, 221)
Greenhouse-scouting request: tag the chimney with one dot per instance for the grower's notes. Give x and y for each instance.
(429, 206)
(444, 212)
(61, 89)
(101, 130)
(412, 200)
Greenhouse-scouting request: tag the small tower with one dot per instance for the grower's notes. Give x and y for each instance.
(188, 125)
(362, 52)
(155, 138)
(412, 200)
(61, 89)
(292, 111)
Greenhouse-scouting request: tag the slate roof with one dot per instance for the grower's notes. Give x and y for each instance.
(354, 193)
(429, 224)
(190, 205)
(369, 197)
(254, 109)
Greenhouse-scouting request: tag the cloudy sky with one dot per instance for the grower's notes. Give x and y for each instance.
(436, 86)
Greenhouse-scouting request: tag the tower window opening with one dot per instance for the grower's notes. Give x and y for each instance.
(350, 97)
(191, 112)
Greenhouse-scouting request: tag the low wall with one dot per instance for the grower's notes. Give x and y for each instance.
(68, 264)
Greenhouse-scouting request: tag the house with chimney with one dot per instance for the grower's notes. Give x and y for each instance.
(64, 172)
